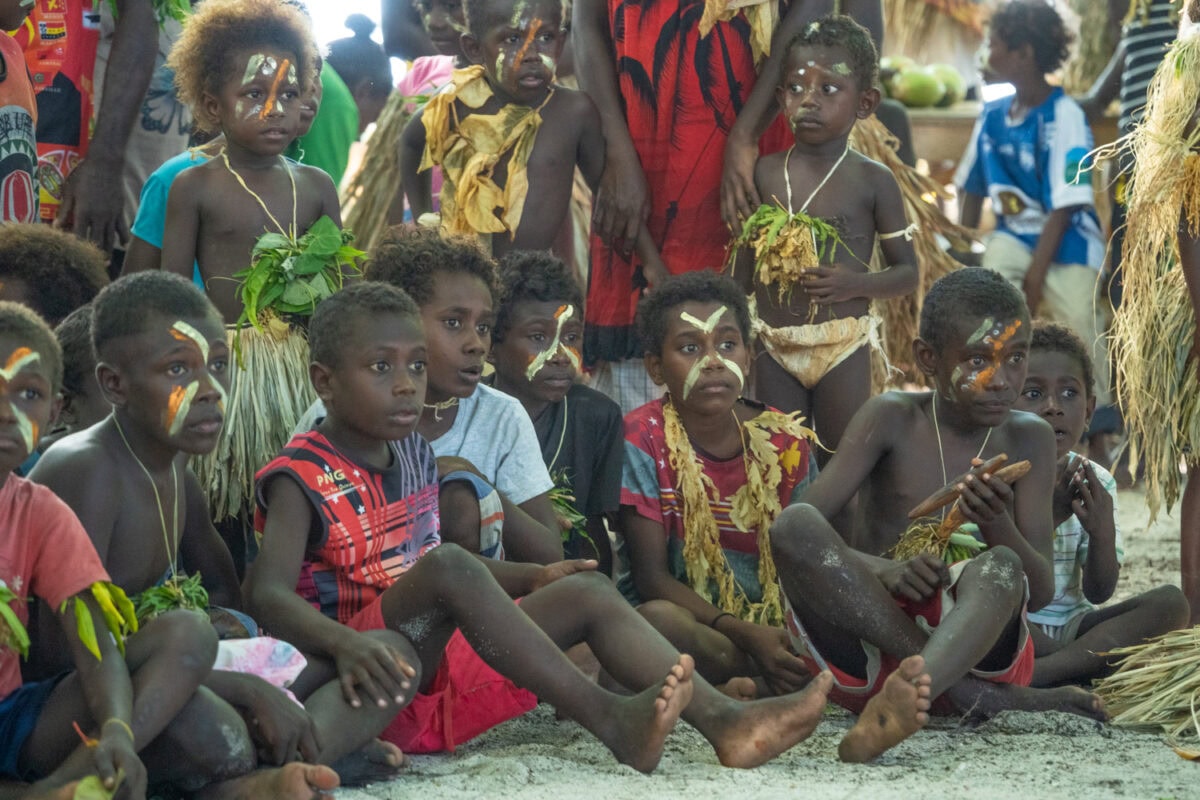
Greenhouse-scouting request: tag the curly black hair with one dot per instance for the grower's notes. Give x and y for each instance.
(1054, 338)
(970, 292)
(701, 286)
(330, 331)
(480, 12)
(1037, 24)
(125, 307)
(29, 330)
(60, 271)
(533, 275)
(410, 258)
(839, 30)
(74, 335)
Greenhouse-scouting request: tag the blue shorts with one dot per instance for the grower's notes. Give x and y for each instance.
(19, 713)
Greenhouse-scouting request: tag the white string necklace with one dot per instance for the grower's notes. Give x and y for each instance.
(787, 178)
(941, 454)
(162, 518)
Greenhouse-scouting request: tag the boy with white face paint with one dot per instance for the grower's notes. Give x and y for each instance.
(706, 472)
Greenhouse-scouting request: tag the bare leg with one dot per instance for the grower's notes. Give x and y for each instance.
(717, 658)
(776, 387)
(449, 588)
(838, 396)
(167, 659)
(743, 734)
(1189, 544)
(347, 734)
(1127, 623)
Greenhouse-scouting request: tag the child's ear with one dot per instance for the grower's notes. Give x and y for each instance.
(111, 384)
(472, 49)
(1091, 409)
(211, 105)
(654, 368)
(924, 357)
(321, 377)
(868, 101)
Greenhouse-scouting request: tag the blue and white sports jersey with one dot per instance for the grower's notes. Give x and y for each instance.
(1030, 167)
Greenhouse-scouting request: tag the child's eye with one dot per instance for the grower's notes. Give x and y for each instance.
(1032, 394)
(175, 370)
(690, 349)
(795, 88)
(290, 94)
(253, 93)
(453, 323)
(829, 88)
(537, 338)
(977, 362)
(571, 337)
(728, 344)
(1070, 393)
(1016, 358)
(380, 366)
(417, 367)
(484, 329)
(218, 365)
(31, 394)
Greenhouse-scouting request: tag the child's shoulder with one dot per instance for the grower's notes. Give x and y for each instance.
(81, 455)
(572, 105)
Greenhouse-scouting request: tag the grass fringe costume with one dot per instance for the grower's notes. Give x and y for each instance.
(269, 385)
(469, 148)
(1153, 329)
(1156, 686)
(754, 507)
(368, 196)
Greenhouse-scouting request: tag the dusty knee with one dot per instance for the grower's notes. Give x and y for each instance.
(999, 571)
(799, 534)
(188, 636)
(213, 740)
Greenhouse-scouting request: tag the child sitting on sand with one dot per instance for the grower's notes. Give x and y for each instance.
(469, 425)
(536, 350)
(706, 472)
(135, 700)
(810, 278)
(899, 635)
(364, 485)
(242, 66)
(127, 479)
(1070, 632)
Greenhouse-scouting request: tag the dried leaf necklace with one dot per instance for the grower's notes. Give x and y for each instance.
(288, 232)
(167, 537)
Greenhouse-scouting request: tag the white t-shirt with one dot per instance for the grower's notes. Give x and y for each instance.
(1070, 556)
(493, 432)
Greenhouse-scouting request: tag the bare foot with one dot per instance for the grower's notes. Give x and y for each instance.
(376, 761)
(642, 722)
(899, 710)
(753, 733)
(290, 782)
(743, 689)
(992, 698)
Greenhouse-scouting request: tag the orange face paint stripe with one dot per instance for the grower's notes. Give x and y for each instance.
(534, 27)
(997, 343)
(271, 95)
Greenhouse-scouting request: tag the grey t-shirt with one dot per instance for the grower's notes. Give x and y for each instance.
(493, 432)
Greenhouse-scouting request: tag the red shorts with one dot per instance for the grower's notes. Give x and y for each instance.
(466, 698)
(852, 693)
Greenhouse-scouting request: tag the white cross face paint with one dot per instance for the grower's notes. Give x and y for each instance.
(21, 358)
(539, 362)
(983, 330)
(707, 327)
(184, 331)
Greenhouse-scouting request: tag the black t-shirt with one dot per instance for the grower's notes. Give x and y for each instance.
(584, 436)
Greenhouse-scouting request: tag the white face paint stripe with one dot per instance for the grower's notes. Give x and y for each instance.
(253, 65)
(707, 326)
(184, 329)
(19, 363)
(542, 358)
(29, 431)
(981, 331)
(175, 421)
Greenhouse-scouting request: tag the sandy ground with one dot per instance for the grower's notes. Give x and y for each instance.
(1016, 755)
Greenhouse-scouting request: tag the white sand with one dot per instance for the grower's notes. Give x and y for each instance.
(1016, 755)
